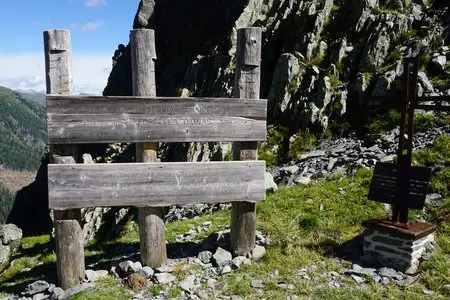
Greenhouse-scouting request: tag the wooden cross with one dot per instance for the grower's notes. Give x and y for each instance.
(401, 184)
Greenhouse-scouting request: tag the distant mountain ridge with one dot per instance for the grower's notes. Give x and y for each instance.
(23, 133)
(39, 97)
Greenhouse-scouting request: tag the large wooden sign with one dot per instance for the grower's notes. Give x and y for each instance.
(76, 120)
(154, 184)
(387, 187)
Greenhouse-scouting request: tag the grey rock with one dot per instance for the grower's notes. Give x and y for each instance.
(202, 294)
(257, 284)
(146, 271)
(331, 163)
(446, 288)
(439, 62)
(205, 256)
(434, 199)
(10, 234)
(57, 294)
(41, 296)
(302, 180)
(236, 297)
(164, 278)
(127, 266)
(90, 275)
(269, 182)
(358, 279)
(385, 281)
(238, 261)
(101, 273)
(222, 257)
(258, 252)
(188, 284)
(376, 279)
(225, 270)
(5, 253)
(387, 272)
(35, 288)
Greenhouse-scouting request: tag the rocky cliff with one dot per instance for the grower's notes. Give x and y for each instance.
(321, 58)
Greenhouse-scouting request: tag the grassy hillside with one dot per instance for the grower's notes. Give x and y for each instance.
(22, 131)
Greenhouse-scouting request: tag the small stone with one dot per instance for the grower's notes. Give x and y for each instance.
(446, 288)
(358, 279)
(385, 281)
(10, 234)
(164, 278)
(225, 270)
(41, 296)
(136, 267)
(258, 252)
(202, 294)
(302, 180)
(35, 288)
(238, 261)
(269, 182)
(257, 284)
(222, 257)
(188, 284)
(90, 275)
(205, 256)
(286, 286)
(126, 266)
(236, 297)
(387, 272)
(58, 294)
(376, 279)
(146, 271)
(101, 273)
(207, 224)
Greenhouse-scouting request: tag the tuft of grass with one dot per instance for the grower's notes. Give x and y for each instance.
(300, 142)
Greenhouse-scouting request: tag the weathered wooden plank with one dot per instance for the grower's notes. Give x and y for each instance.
(151, 219)
(246, 85)
(156, 106)
(144, 119)
(154, 184)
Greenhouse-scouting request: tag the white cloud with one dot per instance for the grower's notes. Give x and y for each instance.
(94, 3)
(27, 71)
(92, 26)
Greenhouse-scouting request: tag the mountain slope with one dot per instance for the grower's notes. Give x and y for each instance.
(22, 131)
(35, 96)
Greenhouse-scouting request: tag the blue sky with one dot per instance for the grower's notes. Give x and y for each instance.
(97, 27)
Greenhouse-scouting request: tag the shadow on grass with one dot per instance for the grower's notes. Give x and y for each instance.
(17, 283)
(351, 250)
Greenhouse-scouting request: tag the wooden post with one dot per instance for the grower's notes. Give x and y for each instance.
(69, 234)
(151, 219)
(246, 85)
